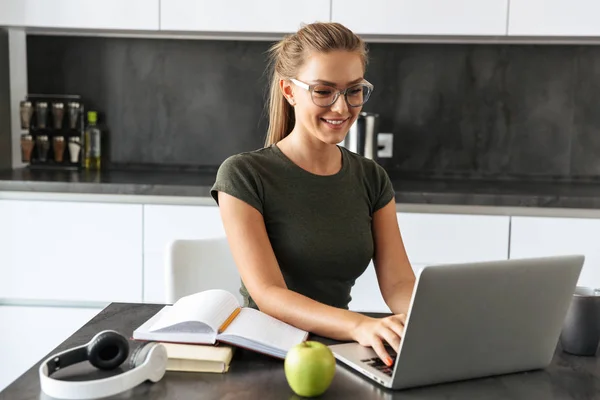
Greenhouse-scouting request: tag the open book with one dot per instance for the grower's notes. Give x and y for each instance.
(215, 315)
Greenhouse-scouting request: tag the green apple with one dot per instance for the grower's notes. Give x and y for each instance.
(309, 368)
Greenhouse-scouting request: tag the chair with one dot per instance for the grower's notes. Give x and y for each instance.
(200, 264)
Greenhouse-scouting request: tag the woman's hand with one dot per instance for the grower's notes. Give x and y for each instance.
(372, 332)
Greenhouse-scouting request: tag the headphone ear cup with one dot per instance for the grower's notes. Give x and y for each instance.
(108, 350)
(157, 357)
(139, 355)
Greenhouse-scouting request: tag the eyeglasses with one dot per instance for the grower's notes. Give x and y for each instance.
(325, 95)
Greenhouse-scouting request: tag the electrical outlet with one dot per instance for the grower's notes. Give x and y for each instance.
(385, 145)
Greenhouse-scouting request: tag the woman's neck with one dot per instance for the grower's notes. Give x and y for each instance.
(311, 154)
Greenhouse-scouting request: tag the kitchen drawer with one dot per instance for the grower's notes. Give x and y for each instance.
(73, 251)
(454, 238)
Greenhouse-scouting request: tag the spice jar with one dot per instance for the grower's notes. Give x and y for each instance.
(74, 148)
(41, 110)
(58, 111)
(58, 147)
(26, 147)
(42, 146)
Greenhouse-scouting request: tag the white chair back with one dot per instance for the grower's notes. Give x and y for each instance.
(195, 265)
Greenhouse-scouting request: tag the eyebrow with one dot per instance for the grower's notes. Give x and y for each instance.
(333, 84)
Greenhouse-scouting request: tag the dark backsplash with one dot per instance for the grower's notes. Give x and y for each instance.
(491, 110)
(164, 102)
(467, 109)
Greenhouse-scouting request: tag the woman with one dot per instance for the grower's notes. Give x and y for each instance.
(303, 216)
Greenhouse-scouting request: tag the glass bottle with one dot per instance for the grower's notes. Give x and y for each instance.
(92, 140)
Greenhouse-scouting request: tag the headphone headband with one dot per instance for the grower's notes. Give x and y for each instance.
(149, 363)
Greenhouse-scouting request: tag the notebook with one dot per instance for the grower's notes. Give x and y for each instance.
(198, 357)
(215, 316)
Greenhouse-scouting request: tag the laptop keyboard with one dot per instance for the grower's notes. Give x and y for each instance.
(376, 362)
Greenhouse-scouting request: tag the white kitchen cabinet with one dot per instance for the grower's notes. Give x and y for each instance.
(30, 333)
(548, 236)
(81, 14)
(162, 225)
(70, 251)
(270, 16)
(554, 18)
(422, 17)
(366, 295)
(454, 238)
(438, 239)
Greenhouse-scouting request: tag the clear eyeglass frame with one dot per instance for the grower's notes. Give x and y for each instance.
(310, 88)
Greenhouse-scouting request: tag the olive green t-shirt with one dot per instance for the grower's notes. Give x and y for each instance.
(319, 226)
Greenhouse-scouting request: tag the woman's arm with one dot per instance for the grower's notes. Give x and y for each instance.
(394, 272)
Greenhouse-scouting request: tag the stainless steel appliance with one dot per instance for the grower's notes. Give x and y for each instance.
(362, 136)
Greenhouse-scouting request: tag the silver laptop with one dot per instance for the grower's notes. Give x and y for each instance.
(475, 320)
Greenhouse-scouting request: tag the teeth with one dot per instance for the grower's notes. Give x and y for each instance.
(336, 122)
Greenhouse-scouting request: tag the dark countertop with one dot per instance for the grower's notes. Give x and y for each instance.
(462, 192)
(255, 376)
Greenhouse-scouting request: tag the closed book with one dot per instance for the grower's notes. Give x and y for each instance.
(198, 358)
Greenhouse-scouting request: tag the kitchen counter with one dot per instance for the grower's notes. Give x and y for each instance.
(121, 182)
(197, 184)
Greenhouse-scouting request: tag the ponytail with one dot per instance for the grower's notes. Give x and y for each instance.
(281, 115)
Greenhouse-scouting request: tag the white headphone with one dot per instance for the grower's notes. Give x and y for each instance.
(107, 350)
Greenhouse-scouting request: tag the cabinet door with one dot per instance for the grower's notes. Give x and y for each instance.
(438, 239)
(554, 18)
(240, 15)
(162, 225)
(422, 17)
(454, 238)
(90, 252)
(30, 333)
(546, 236)
(81, 14)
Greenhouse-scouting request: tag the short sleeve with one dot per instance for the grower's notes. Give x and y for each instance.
(237, 177)
(382, 188)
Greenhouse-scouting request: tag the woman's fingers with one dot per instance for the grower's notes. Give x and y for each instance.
(390, 336)
(396, 324)
(379, 348)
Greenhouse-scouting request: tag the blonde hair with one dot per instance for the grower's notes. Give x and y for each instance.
(287, 56)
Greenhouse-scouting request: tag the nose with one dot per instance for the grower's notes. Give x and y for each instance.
(340, 106)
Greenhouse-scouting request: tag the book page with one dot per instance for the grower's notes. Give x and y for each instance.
(187, 332)
(210, 307)
(262, 332)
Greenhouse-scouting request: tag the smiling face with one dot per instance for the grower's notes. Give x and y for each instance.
(336, 70)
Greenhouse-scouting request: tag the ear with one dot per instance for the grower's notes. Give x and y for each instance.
(287, 90)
